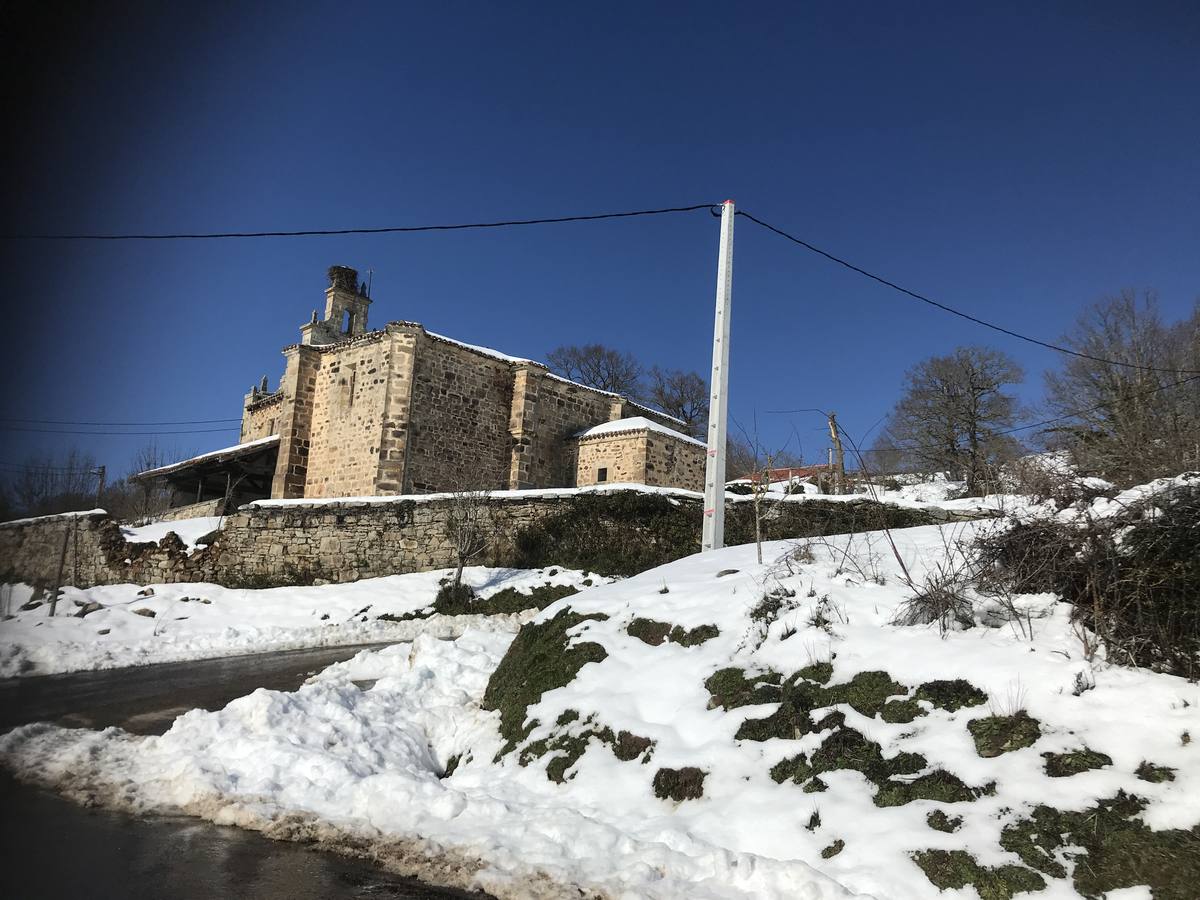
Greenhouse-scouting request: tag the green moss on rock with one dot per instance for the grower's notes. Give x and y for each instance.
(1113, 849)
(1063, 765)
(939, 821)
(1148, 771)
(833, 849)
(730, 688)
(951, 695)
(956, 869)
(1002, 734)
(679, 784)
(654, 633)
(540, 659)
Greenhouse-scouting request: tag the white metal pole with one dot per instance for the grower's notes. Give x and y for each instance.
(713, 537)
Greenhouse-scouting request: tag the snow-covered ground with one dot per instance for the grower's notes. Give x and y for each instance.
(338, 761)
(199, 621)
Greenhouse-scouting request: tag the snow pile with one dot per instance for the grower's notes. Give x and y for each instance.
(337, 762)
(136, 626)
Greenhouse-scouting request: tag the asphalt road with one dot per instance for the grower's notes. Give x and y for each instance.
(51, 848)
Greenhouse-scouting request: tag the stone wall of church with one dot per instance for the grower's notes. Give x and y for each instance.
(559, 412)
(457, 433)
(347, 419)
(671, 462)
(261, 418)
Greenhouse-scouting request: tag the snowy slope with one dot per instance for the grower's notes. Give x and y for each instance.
(335, 761)
(199, 621)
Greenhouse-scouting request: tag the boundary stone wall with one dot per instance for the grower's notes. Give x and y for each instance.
(319, 543)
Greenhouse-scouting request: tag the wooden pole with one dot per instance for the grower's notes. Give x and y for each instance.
(62, 561)
(839, 468)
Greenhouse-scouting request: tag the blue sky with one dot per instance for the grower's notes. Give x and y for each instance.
(1018, 163)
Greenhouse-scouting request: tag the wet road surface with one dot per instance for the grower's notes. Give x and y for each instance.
(52, 848)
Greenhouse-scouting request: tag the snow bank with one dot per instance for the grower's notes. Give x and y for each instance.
(367, 765)
(200, 621)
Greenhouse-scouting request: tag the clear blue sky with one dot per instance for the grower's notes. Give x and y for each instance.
(1017, 163)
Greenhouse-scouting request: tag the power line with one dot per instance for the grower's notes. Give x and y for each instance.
(398, 229)
(56, 431)
(956, 312)
(106, 424)
(115, 424)
(1069, 415)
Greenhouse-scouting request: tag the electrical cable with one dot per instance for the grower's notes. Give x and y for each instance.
(399, 229)
(956, 312)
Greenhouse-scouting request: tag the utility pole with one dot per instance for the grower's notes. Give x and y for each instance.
(100, 473)
(839, 458)
(718, 404)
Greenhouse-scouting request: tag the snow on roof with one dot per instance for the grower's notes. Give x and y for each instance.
(234, 451)
(486, 351)
(635, 423)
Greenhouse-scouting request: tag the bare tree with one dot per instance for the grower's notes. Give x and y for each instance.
(600, 367)
(952, 411)
(683, 395)
(1131, 424)
(47, 484)
(469, 528)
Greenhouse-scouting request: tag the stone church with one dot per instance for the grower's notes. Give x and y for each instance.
(402, 410)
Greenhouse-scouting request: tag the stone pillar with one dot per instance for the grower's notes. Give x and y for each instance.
(295, 421)
(522, 425)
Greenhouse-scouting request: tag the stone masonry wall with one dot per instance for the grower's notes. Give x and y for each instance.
(332, 541)
(623, 455)
(673, 462)
(348, 403)
(261, 418)
(458, 420)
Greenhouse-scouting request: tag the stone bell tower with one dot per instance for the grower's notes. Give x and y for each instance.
(346, 304)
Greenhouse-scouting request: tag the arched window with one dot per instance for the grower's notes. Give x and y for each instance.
(346, 320)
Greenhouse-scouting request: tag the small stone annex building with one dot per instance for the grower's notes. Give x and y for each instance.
(402, 410)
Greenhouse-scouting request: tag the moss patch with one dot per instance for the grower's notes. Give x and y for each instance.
(1002, 734)
(846, 748)
(951, 695)
(866, 692)
(730, 688)
(1148, 771)
(957, 869)
(1062, 765)
(654, 633)
(679, 784)
(1115, 849)
(939, 821)
(833, 849)
(540, 659)
(464, 602)
(566, 747)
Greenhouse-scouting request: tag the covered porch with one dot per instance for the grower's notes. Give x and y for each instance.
(217, 482)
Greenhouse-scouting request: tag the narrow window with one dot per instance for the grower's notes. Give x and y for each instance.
(601, 475)
(346, 322)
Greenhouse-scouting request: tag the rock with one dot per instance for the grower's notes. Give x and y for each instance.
(104, 631)
(87, 609)
(32, 604)
(146, 592)
(725, 572)
(148, 613)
